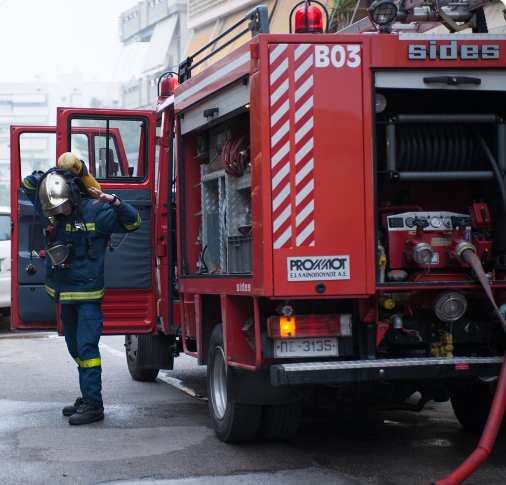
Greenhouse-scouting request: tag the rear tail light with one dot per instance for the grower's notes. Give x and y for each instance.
(302, 326)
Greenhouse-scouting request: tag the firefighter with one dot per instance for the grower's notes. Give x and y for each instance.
(77, 231)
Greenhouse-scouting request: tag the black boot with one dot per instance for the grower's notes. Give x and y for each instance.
(72, 409)
(87, 414)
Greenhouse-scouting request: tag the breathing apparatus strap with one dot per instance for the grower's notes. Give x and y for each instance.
(77, 187)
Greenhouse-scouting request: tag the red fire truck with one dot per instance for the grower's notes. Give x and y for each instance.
(326, 224)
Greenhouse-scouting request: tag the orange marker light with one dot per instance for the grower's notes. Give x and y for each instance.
(287, 327)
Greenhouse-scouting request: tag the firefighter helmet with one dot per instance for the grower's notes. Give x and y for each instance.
(54, 194)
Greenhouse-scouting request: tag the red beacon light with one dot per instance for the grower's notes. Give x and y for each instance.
(168, 86)
(308, 19)
(169, 83)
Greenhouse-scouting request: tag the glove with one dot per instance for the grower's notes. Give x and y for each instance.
(83, 171)
(37, 174)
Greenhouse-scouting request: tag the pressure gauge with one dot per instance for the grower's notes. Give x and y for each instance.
(409, 222)
(447, 221)
(435, 222)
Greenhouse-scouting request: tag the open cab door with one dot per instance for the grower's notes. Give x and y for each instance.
(32, 148)
(118, 147)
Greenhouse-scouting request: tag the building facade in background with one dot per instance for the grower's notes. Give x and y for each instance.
(154, 35)
(35, 104)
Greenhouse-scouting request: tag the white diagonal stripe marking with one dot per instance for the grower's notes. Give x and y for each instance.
(304, 192)
(279, 71)
(280, 154)
(277, 52)
(281, 197)
(309, 209)
(282, 218)
(303, 67)
(307, 168)
(283, 238)
(280, 175)
(279, 92)
(304, 130)
(305, 233)
(304, 88)
(280, 134)
(304, 151)
(304, 109)
(282, 110)
(301, 49)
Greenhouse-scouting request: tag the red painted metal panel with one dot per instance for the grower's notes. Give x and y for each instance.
(16, 179)
(128, 311)
(392, 51)
(317, 169)
(125, 312)
(259, 133)
(235, 311)
(224, 72)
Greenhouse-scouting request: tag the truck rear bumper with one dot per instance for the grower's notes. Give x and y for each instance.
(384, 370)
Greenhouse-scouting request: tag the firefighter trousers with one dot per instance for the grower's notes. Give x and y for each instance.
(82, 324)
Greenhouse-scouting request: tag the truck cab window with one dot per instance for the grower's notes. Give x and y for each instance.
(111, 148)
(37, 151)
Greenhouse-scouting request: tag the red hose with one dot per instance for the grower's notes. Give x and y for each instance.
(494, 420)
(487, 440)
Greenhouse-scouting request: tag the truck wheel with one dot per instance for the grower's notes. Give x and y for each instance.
(134, 345)
(471, 407)
(281, 421)
(231, 421)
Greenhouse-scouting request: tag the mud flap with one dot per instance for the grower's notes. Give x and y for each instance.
(255, 388)
(154, 353)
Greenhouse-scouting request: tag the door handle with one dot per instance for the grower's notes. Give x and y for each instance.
(451, 80)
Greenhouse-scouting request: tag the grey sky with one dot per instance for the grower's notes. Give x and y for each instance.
(46, 37)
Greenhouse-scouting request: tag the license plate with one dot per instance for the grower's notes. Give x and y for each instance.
(306, 347)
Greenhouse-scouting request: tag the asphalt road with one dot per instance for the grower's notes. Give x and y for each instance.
(159, 433)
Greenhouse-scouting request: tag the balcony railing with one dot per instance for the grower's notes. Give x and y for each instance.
(199, 7)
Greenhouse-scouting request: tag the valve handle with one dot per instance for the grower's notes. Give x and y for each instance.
(421, 223)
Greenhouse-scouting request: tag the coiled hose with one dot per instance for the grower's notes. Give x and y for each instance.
(433, 147)
(235, 154)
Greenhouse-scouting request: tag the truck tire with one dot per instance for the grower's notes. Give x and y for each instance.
(281, 421)
(472, 405)
(134, 346)
(231, 421)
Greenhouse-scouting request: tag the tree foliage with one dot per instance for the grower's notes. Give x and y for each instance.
(340, 11)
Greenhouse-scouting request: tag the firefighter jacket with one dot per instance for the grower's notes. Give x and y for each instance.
(82, 280)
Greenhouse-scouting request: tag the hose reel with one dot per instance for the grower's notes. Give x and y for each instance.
(442, 147)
